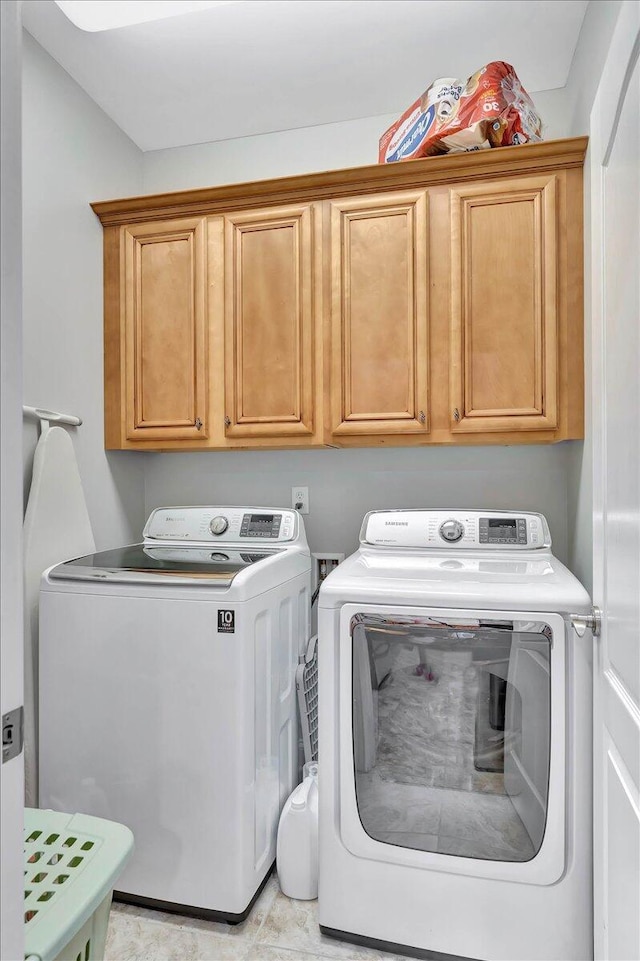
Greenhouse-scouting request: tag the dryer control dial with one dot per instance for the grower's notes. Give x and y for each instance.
(218, 524)
(451, 531)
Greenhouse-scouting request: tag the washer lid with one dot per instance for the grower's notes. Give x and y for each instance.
(140, 563)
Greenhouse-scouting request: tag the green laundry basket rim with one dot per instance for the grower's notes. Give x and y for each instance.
(88, 881)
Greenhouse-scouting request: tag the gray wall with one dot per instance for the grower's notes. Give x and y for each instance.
(72, 154)
(588, 61)
(580, 92)
(330, 146)
(345, 484)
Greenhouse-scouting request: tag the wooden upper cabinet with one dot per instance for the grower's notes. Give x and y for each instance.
(269, 323)
(379, 296)
(504, 306)
(437, 301)
(165, 331)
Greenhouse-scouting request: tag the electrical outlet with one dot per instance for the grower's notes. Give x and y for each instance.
(300, 499)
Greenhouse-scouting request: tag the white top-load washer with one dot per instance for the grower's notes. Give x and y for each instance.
(167, 698)
(455, 740)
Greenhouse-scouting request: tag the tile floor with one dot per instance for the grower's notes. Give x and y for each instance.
(278, 929)
(437, 819)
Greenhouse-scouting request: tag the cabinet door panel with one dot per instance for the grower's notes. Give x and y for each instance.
(379, 314)
(504, 306)
(269, 323)
(166, 375)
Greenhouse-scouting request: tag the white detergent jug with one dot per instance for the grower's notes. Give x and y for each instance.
(297, 846)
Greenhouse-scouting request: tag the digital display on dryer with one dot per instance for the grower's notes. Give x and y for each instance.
(503, 530)
(502, 527)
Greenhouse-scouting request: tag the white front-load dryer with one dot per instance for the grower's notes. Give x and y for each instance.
(455, 741)
(167, 698)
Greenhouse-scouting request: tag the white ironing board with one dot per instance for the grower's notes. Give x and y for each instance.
(56, 527)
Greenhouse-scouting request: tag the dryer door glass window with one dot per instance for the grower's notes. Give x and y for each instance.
(451, 734)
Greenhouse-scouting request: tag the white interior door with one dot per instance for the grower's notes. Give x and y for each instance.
(11, 771)
(615, 199)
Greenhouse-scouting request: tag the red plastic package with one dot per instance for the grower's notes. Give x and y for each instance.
(492, 109)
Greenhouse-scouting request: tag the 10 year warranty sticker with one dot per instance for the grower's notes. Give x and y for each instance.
(226, 622)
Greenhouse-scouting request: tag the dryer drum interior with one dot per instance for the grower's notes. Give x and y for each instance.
(451, 734)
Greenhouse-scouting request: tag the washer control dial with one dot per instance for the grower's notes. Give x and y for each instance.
(218, 525)
(451, 531)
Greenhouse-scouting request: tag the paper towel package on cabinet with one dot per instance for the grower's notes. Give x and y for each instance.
(492, 109)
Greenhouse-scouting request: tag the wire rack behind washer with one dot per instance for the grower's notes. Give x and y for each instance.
(307, 690)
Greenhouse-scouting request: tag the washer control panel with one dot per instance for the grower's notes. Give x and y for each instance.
(261, 525)
(451, 529)
(221, 525)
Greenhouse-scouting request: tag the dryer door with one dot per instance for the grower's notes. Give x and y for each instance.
(454, 758)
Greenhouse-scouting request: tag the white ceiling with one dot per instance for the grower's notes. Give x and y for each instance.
(264, 65)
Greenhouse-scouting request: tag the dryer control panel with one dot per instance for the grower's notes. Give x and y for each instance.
(466, 530)
(222, 525)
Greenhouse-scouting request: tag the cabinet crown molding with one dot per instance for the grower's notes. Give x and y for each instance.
(498, 162)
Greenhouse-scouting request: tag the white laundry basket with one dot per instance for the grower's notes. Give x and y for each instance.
(71, 863)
